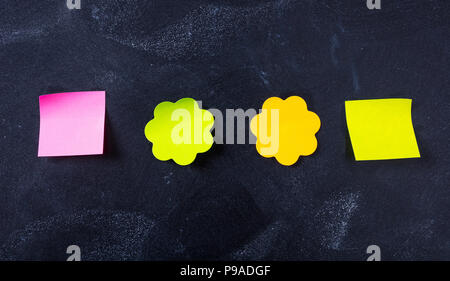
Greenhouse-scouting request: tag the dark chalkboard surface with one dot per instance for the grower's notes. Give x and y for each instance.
(231, 203)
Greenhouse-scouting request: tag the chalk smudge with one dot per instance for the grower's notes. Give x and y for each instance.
(259, 247)
(334, 45)
(101, 236)
(204, 29)
(20, 35)
(355, 78)
(334, 218)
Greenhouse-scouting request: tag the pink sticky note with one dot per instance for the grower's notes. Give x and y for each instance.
(72, 124)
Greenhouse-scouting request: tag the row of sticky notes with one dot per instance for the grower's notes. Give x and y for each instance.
(73, 124)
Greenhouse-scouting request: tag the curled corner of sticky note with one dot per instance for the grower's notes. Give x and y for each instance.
(179, 131)
(381, 129)
(72, 124)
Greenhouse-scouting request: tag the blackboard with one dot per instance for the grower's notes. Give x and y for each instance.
(231, 204)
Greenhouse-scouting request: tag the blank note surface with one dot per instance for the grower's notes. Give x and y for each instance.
(72, 124)
(381, 129)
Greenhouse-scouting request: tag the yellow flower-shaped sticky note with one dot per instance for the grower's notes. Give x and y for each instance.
(381, 129)
(180, 131)
(285, 129)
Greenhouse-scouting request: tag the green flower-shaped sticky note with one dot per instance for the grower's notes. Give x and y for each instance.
(180, 131)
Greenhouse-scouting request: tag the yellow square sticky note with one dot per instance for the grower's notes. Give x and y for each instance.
(381, 129)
